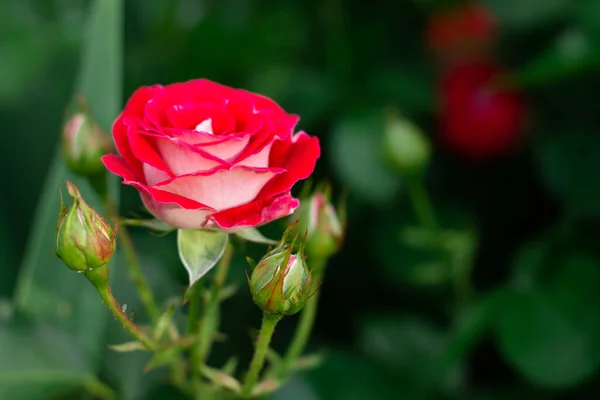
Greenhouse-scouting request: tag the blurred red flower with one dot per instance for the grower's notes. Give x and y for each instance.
(461, 32)
(480, 116)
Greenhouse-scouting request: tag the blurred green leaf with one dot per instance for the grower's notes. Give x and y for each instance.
(7, 255)
(569, 164)
(38, 362)
(587, 16)
(413, 348)
(408, 256)
(412, 90)
(347, 377)
(530, 14)
(46, 288)
(550, 332)
(572, 51)
(357, 157)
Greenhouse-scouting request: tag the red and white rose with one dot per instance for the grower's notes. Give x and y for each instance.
(204, 155)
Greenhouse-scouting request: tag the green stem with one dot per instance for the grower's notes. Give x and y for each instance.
(136, 274)
(301, 336)
(306, 322)
(209, 322)
(422, 204)
(134, 267)
(427, 219)
(262, 345)
(98, 389)
(99, 278)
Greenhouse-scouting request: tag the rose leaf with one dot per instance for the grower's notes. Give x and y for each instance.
(200, 250)
(254, 235)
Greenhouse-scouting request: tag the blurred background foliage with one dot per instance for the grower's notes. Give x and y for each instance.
(515, 317)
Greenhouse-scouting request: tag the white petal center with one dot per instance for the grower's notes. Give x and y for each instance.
(205, 126)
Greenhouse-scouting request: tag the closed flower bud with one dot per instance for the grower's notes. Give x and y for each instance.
(84, 143)
(322, 224)
(280, 283)
(84, 240)
(405, 145)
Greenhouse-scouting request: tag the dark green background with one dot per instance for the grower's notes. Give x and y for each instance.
(388, 325)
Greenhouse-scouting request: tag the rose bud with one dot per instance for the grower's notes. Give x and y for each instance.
(204, 155)
(280, 283)
(84, 240)
(323, 225)
(481, 117)
(84, 143)
(461, 32)
(405, 146)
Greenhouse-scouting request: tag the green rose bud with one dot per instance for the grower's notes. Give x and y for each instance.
(84, 240)
(280, 283)
(405, 145)
(84, 143)
(323, 225)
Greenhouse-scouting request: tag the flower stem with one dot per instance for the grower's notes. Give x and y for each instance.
(262, 345)
(98, 389)
(209, 322)
(301, 336)
(99, 278)
(422, 204)
(305, 324)
(427, 219)
(134, 267)
(136, 274)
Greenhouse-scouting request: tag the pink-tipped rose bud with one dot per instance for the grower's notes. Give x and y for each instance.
(84, 143)
(84, 240)
(323, 225)
(280, 283)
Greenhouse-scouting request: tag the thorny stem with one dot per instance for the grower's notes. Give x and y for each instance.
(99, 278)
(209, 322)
(262, 345)
(304, 328)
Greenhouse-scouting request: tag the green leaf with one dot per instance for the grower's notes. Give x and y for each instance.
(39, 361)
(572, 51)
(46, 288)
(550, 331)
(221, 379)
(357, 157)
(127, 347)
(200, 250)
(569, 163)
(411, 347)
(517, 14)
(254, 235)
(348, 377)
(153, 224)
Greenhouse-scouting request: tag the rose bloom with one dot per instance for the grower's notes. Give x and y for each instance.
(481, 117)
(461, 32)
(203, 155)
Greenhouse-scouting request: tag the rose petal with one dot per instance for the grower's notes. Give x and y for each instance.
(258, 160)
(152, 175)
(183, 158)
(189, 115)
(176, 216)
(144, 151)
(118, 166)
(229, 149)
(221, 189)
(298, 156)
(256, 213)
(160, 196)
(134, 108)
